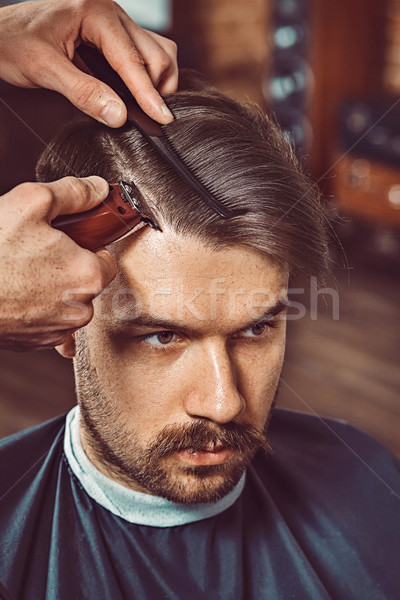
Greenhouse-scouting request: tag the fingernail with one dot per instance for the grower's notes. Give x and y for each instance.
(100, 184)
(166, 112)
(111, 114)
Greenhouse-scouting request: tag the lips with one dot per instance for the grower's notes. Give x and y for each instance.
(212, 454)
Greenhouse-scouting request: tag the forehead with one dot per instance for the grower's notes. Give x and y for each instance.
(169, 275)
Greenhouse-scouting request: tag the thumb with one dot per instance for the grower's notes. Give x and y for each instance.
(107, 264)
(74, 194)
(87, 93)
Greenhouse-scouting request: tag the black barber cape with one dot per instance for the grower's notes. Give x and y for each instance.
(318, 519)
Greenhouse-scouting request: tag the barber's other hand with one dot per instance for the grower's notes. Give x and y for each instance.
(38, 41)
(47, 282)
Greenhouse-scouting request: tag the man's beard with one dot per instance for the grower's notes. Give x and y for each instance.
(117, 448)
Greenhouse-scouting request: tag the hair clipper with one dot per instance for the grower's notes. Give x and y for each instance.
(120, 213)
(116, 216)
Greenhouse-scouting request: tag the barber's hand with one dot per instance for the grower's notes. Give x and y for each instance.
(38, 41)
(47, 282)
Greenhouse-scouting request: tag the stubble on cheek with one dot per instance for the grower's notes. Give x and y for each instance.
(112, 445)
(156, 469)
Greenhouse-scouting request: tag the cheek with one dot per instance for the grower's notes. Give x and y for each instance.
(259, 375)
(144, 390)
(151, 389)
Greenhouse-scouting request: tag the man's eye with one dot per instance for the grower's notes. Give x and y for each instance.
(160, 338)
(256, 330)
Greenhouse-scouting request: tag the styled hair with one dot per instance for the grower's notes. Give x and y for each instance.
(235, 149)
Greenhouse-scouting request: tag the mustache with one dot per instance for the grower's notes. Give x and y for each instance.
(242, 437)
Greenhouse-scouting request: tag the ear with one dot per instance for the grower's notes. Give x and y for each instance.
(67, 349)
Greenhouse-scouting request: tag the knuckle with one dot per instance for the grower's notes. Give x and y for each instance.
(162, 57)
(24, 190)
(80, 188)
(172, 47)
(93, 276)
(136, 57)
(88, 315)
(46, 198)
(37, 198)
(83, 93)
(164, 63)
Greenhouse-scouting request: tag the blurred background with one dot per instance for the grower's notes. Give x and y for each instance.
(330, 71)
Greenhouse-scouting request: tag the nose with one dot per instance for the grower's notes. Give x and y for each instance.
(213, 393)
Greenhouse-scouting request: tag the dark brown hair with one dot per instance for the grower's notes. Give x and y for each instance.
(235, 149)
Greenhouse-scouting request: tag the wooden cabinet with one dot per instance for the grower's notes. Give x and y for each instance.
(367, 189)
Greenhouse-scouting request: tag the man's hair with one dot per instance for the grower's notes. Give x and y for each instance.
(235, 149)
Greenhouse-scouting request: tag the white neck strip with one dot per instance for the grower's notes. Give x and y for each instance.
(135, 507)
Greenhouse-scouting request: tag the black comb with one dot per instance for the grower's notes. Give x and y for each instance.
(150, 129)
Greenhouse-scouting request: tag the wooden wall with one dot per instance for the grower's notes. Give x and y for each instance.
(346, 54)
(231, 42)
(391, 71)
(228, 40)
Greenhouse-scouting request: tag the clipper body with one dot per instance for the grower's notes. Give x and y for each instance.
(118, 214)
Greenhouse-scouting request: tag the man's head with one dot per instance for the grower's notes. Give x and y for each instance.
(178, 370)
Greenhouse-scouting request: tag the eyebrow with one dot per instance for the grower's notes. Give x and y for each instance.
(153, 322)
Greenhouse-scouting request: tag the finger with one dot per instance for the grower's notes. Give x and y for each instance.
(87, 93)
(46, 341)
(169, 83)
(158, 54)
(164, 73)
(128, 62)
(73, 194)
(67, 346)
(107, 264)
(140, 85)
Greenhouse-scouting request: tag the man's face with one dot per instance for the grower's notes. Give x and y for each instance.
(177, 372)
